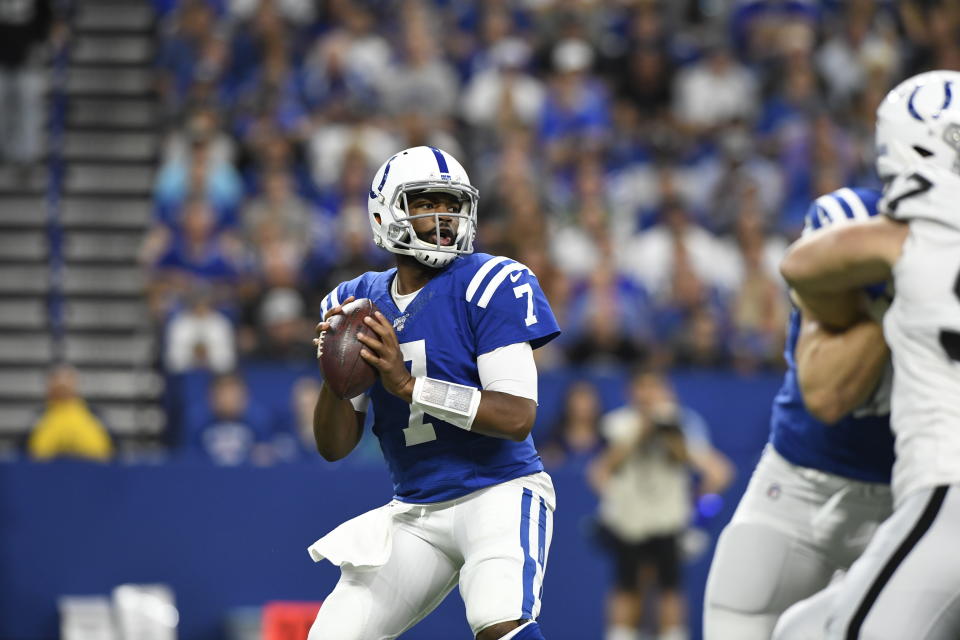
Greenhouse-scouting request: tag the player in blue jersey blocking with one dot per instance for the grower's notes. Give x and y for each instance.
(821, 487)
(472, 505)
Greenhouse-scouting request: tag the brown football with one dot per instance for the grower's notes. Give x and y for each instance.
(345, 372)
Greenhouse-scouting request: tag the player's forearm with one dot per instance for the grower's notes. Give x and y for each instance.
(503, 415)
(843, 258)
(492, 413)
(837, 371)
(835, 311)
(336, 426)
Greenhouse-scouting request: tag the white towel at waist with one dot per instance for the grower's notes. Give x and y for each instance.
(361, 542)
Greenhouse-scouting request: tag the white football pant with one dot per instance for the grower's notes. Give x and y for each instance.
(906, 585)
(793, 529)
(493, 543)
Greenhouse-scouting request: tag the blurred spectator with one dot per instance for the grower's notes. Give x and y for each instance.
(662, 257)
(609, 319)
(759, 308)
(575, 119)
(278, 216)
(503, 95)
(342, 70)
(295, 11)
(67, 427)
(197, 255)
(284, 332)
(861, 41)
(714, 92)
(701, 344)
(644, 77)
(745, 179)
(199, 337)
(205, 171)
(579, 246)
(574, 440)
(422, 80)
(24, 27)
(644, 483)
(270, 102)
(233, 430)
(297, 442)
(815, 153)
(356, 139)
(192, 26)
(202, 123)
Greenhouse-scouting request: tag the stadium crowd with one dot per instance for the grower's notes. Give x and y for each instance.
(648, 160)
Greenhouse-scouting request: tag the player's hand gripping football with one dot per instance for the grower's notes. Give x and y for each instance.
(383, 352)
(324, 325)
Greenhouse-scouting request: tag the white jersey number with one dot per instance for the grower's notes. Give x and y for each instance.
(417, 431)
(527, 290)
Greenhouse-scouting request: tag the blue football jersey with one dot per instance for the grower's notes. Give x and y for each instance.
(477, 304)
(860, 446)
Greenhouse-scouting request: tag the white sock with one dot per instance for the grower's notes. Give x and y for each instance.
(516, 631)
(620, 633)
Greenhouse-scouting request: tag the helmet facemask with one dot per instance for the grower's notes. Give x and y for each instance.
(399, 234)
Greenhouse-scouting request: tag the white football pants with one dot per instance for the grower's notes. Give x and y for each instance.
(400, 561)
(794, 527)
(906, 585)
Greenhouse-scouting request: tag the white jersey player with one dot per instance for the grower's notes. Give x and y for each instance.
(907, 582)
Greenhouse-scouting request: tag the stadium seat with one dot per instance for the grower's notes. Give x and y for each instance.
(108, 179)
(104, 315)
(26, 279)
(22, 211)
(27, 313)
(103, 213)
(112, 49)
(116, 146)
(23, 245)
(100, 247)
(104, 17)
(104, 280)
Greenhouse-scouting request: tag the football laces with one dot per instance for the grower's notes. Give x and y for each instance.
(319, 343)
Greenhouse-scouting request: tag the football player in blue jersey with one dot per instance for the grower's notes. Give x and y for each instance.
(453, 408)
(821, 487)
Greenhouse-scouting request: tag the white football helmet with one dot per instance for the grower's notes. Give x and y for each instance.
(919, 121)
(414, 171)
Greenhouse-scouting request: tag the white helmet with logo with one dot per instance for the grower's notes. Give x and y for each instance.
(919, 121)
(414, 171)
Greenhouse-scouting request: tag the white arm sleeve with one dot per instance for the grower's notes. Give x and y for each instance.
(509, 369)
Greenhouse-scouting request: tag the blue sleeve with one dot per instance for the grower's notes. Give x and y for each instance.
(812, 220)
(356, 287)
(510, 307)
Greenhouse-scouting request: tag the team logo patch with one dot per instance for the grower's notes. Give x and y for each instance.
(399, 322)
(773, 491)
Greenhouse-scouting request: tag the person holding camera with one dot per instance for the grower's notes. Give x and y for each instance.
(644, 482)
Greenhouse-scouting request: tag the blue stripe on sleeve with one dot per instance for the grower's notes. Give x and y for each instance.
(847, 211)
